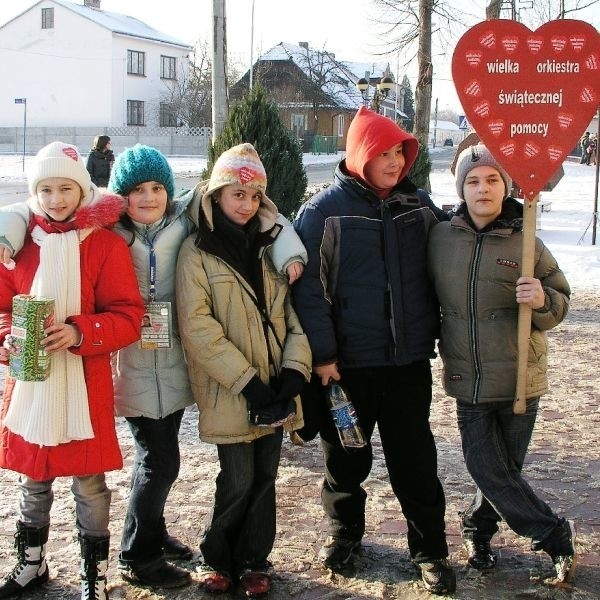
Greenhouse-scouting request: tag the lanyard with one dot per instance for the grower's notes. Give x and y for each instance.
(152, 287)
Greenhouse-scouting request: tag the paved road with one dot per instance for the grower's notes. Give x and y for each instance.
(317, 173)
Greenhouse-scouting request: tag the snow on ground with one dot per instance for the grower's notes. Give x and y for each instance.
(562, 227)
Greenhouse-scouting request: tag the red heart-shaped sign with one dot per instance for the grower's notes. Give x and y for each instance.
(529, 94)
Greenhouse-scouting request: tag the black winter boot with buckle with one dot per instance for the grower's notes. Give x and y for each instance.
(480, 555)
(94, 562)
(31, 570)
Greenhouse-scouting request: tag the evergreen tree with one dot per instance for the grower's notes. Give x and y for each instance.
(419, 172)
(254, 119)
(409, 104)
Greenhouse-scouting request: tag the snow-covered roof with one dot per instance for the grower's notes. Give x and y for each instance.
(341, 76)
(445, 125)
(340, 83)
(359, 69)
(120, 24)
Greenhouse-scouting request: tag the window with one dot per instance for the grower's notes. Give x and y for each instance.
(168, 67)
(340, 125)
(135, 112)
(167, 115)
(298, 125)
(47, 18)
(136, 62)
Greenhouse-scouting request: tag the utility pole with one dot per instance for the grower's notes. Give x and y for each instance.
(435, 113)
(252, 46)
(219, 78)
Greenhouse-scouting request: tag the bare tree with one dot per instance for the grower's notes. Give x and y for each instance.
(543, 11)
(408, 27)
(492, 10)
(425, 78)
(189, 97)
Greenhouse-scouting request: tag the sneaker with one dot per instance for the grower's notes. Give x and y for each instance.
(480, 555)
(438, 576)
(561, 548)
(336, 552)
(165, 575)
(173, 549)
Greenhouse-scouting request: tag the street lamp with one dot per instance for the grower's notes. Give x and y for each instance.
(382, 89)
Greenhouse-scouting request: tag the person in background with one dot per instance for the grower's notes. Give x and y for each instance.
(64, 426)
(100, 161)
(474, 262)
(371, 317)
(584, 142)
(592, 151)
(248, 359)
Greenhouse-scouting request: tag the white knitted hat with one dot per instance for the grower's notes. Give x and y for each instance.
(478, 156)
(59, 160)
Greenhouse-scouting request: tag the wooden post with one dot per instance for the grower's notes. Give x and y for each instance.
(524, 323)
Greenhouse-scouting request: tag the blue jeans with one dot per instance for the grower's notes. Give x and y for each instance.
(92, 503)
(240, 529)
(155, 469)
(494, 443)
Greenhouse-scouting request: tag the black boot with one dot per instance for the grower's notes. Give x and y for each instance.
(94, 562)
(31, 569)
(479, 553)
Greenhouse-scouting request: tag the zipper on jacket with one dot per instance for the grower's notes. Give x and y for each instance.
(472, 308)
(386, 217)
(161, 412)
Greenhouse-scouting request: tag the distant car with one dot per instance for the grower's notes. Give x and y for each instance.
(448, 142)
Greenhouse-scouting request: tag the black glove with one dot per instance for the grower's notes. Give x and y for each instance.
(289, 384)
(264, 409)
(258, 394)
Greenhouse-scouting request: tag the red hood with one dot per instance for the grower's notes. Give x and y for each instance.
(371, 134)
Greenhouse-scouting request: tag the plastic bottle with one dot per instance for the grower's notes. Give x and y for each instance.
(344, 417)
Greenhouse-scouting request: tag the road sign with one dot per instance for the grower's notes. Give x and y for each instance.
(20, 100)
(463, 123)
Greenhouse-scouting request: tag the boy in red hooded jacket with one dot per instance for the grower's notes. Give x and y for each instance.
(371, 316)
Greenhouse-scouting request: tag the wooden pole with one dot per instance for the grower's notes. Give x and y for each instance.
(524, 322)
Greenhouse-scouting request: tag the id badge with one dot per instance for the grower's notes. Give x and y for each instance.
(157, 326)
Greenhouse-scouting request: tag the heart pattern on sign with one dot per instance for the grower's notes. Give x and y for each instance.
(529, 95)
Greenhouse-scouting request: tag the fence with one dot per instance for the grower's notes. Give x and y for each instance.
(169, 140)
(325, 144)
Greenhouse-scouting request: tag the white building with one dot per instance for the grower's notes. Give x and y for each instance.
(440, 131)
(77, 65)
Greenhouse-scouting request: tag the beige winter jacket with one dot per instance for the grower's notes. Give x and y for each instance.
(224, 338)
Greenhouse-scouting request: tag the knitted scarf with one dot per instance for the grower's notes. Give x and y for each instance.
(55, 411)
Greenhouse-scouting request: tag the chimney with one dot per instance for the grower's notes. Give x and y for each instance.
(92, 3)
(303, 45)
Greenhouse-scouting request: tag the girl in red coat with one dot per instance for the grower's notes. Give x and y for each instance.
(64, 426)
